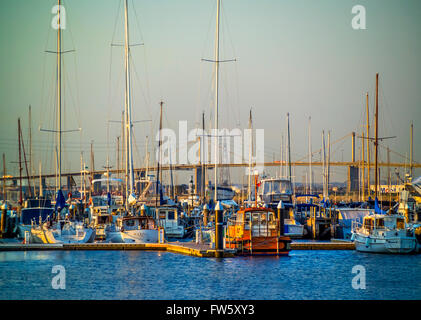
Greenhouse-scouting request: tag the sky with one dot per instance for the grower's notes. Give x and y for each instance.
(301, 57)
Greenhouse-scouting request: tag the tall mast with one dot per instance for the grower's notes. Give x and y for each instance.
(363, 165)
(59, 131)
(20, 166)
(147, 157)
(250, 152)
(289, 151)
(30, 145)
(4, 178)
(411, 148)
(281, 157)
(368, 146)
(123, 161)
(41, 193)
(323, 155)
(216, 98)
(376, 143)
(158, 189)
(202, 150)
(128, 108)
(118, 158)
(328, 164)
(310, 158)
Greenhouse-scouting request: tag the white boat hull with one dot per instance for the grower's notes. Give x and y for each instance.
(43, 235)
(140, 236)
(380, 245)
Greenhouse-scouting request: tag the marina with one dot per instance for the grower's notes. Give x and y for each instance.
(261, 193)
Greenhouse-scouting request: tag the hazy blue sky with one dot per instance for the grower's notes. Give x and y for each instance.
(301, 57)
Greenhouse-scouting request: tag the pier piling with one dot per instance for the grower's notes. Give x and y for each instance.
(218, 231)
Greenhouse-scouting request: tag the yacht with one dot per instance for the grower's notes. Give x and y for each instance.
(134, 229)
(384, 233)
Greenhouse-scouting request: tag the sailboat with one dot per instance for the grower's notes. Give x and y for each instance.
(61, 230)
(130, 228)
(383, 231)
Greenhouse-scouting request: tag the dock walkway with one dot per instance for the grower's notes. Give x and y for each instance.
(187, 248)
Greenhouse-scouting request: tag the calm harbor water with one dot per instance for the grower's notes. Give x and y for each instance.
(165, 275)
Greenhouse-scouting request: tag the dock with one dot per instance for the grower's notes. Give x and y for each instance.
(186, 248)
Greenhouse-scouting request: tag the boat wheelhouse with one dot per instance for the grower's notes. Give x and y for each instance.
(256, 231)
(169, 217)
(137, 229)
(273, 190)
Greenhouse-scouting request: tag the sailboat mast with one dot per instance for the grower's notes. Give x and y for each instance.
(41, 193)
(323, 156)
(411, 151)
(128, 115)
(4, 179)
(289, 151)
(310, 158)
(30, 145)
(59, 131)
(216, 98)
(328, 165)
(377, 134)
(202, 150)
(368, 146)
(20, 166)
(250, 151)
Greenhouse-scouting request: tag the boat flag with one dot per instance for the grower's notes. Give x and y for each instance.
(60, 201)
(377, 207)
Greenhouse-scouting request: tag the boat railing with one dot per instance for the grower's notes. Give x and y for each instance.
(356, 225)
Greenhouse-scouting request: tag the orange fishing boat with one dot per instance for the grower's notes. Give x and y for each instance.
(256, 231)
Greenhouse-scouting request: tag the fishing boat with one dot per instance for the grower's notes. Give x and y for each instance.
(256, 231)
(134, 229)
(384, 233)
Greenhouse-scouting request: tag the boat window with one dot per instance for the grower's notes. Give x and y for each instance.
(263, 218)
(380, 223)
(255, 218)
(271, 217)
(171, 215)
(247, 218)
(368, 224)
(400, 223)
(130, 223)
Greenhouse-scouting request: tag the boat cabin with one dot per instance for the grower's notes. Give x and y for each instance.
(136, 223)
(377, 221)
(260, 222)
(272, 190)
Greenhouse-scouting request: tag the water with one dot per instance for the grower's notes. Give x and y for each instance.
(165, 275)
